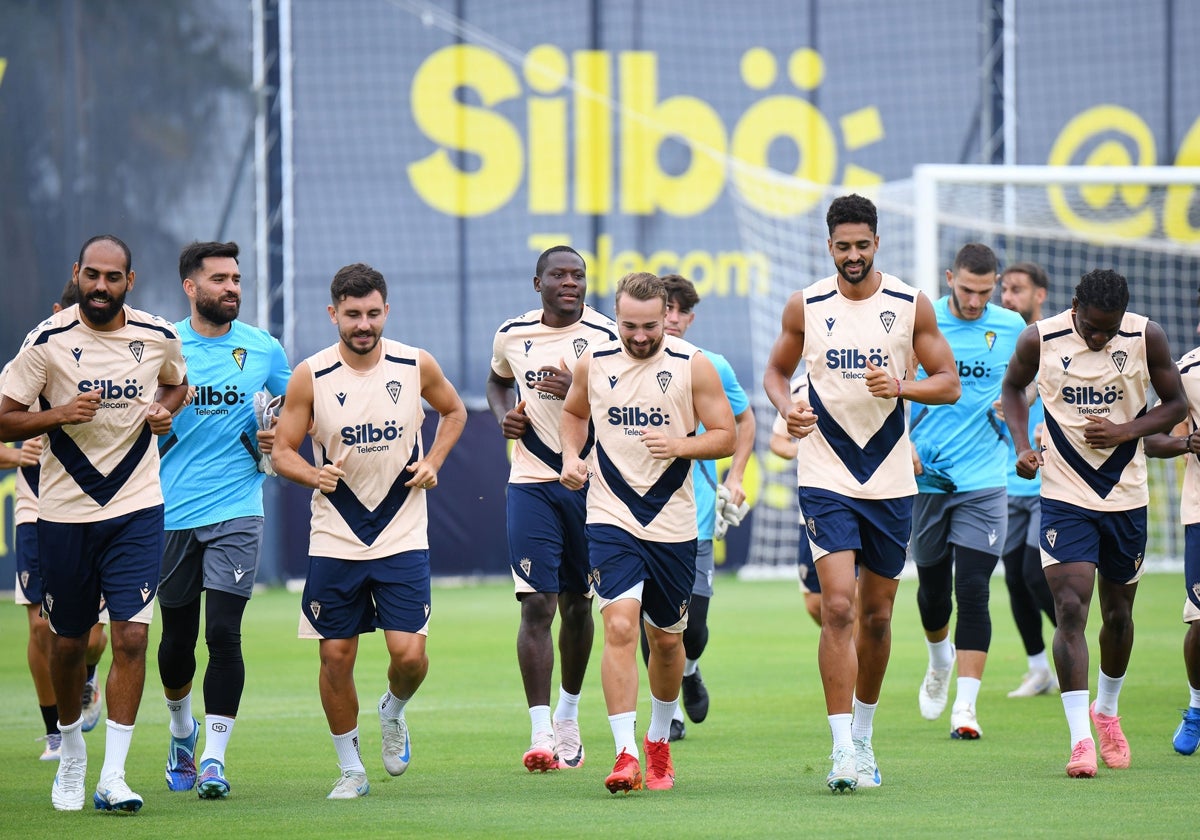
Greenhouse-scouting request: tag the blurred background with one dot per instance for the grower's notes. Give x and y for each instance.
(448, 143)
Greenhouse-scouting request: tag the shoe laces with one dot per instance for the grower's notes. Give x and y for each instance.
(842, 756)
(864, 755)
(1081, 750)
(623, 761)
(1110, 725)
(71, 771)
(658, 757)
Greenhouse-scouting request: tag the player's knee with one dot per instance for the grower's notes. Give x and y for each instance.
(838, 612)
(538, 609)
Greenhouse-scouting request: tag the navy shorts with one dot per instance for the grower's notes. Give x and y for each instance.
(345, 598)
(620, 561)
(1191, 572)
(114, 562)
(1113, 540)
(547, 547)
(29, 576)
(878, 529)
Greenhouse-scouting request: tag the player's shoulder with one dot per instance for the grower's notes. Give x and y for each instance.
(594, 319)
(820, 290)
(152, 325)
(893, 287)
(679, 348)
(1190, 362)
(523, 322)
(58, 324)
(998, 316)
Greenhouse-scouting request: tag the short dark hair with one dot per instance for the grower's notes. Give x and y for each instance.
(681, 291)
(356, 280)
(192, 257)
(852, 209)
(70, 295)
(107, 237)
(545, 258)
(1035, 273)
(976, 258)
(1103, 289)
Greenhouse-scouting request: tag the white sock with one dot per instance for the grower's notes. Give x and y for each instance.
(678, 713)
(864, 720)
(568, 705)
(539, 720)
(839, 728)
(349, 757)
(116, 747)
(181, 716)
(73, 745)
(217, 729)
(689, 666)
(391, 707)
(1108, 689)
(661, 712)
(1193, 703)
(624, 738)
(1039, 662)
(967, 693)
(941, 654)
(1075, 704)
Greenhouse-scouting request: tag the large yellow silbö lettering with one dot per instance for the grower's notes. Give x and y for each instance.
(645, 188)
(3, 67)
(459, 127)
(1179, 196)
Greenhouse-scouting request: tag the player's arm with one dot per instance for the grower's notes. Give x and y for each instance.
(781, 443)
(502, 400)
(293, 425)
(1170, 410)
(168, 400)
(442, 397)
(1180, 441)
(25, 455)
(712, 409)
(1022, 369)
(573, 426)
(941, 386)
(781, 364)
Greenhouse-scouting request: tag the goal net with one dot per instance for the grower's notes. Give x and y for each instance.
(1141, 221)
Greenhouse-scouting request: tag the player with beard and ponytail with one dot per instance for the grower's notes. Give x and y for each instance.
(212, 486)
(857, 332)
(107, 378)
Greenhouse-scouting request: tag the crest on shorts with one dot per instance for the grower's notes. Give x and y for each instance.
(49, 600)
(1137, 561)
(580, 344)
(526, 564)
(887, 318)
(239, 357)
(314, 607)
(1051, 536)
(683, 605)
(990, 338)
(1196, 590)
(594, 578)
(25, 580)
(664, 379)
(393, 389)
(811, 525)
(136, 347)
(1119, 357)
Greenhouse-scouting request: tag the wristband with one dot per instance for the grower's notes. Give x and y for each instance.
(899, 389)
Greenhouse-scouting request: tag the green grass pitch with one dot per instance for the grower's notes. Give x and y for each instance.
(755, 768)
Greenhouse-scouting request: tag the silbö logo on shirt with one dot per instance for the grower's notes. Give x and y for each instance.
(216, 400)
(367, 437)
(113, 394)
(635, 419)
(852, 362)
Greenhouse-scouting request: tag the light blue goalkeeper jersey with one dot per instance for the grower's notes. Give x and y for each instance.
(704, 473)
(965, 441)
(209, 466)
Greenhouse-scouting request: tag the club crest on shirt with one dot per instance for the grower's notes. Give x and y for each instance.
(314, 607)
(1051, 536)
(1066, 362)
(887, 318)
(1119, 357)
(580, 344)
(393, 389)
(136, 347)
(239, 357)
(990, 338)
(664, 379)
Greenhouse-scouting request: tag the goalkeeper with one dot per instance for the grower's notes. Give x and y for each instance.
(719, 505)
